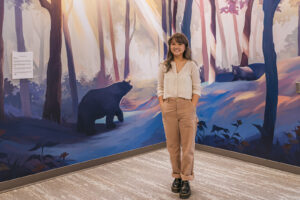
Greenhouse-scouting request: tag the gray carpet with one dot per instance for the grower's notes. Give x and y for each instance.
(148, 176)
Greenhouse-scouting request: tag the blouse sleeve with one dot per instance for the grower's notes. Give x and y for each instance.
(196, 80)
(160, 81)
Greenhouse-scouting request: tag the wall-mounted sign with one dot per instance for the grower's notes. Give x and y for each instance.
(22, 65)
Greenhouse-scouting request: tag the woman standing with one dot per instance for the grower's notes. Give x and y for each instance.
(178, 91)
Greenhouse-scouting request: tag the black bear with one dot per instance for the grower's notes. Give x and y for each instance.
(99, 103)
(249, 73)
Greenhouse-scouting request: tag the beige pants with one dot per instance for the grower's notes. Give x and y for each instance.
(180, 124)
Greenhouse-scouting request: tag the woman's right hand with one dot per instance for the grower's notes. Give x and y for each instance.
(161, 105)
(161, 101)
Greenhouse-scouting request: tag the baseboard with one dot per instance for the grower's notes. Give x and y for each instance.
(30, 179)
(251, 159)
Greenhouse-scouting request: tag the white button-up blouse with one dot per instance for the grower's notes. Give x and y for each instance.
(183, 84)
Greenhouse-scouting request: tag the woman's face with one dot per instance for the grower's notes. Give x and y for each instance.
(176, 48)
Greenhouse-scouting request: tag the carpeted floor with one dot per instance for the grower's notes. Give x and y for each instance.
(148, 176)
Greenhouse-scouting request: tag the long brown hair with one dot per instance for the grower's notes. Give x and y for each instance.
(181, 39)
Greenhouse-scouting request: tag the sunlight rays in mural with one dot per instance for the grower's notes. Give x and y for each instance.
(78, 5)
(151, 19)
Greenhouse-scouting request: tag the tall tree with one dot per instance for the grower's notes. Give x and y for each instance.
(71, 66)
(170, 16)
(269, 7)
(158, 49)
(254, 31)
(237, 38)
(175, 5)
(187, 17)
(128, 39)
(1, 61)
(24, 83)
(246, 33)
(53, 91)
(102, 74)
(212, 68)
(164, 25)
(298, 29)
(233, 9)
(222, 34)
(296, 3)
(40, 31)
(112, 40)
(42, 52)
(205, 68)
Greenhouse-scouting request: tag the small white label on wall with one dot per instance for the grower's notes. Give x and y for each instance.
(22, 65)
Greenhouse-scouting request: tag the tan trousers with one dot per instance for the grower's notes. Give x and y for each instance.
(180, 124)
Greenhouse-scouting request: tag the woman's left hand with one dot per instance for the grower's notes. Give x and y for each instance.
(194, 104)
(195, 99)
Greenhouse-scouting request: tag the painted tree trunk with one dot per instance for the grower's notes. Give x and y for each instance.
(53, 91)
(187, 17)
(71, 66)
(212, 68)
(299, 29)
(24, 83)
(170, 16)
(164, 25)
(236, 32)
(246, 34)
(254, 36)
(42, 52)
(222, 35)
(204, 42)
(41, 33)
(112, 40)
(158, 49)
(269, 8)
(1, 61)
(127, 40)
(102, 74)
(175, 5)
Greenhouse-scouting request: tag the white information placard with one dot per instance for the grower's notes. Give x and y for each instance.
(22, 65)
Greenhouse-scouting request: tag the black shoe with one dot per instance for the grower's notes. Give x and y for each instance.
(176, 185)
(185, 191)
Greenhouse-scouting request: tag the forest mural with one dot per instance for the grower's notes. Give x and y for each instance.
(95, 65)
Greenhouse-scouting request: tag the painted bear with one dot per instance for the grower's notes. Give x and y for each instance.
(99, 103)
(249, 73)
(252, 72)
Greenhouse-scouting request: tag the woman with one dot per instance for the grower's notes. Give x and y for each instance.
(178, 91)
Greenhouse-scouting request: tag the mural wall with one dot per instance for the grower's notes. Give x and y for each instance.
(95, 66)
(251, 106)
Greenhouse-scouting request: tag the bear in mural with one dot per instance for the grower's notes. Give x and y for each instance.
(99, 103)
(248, 73)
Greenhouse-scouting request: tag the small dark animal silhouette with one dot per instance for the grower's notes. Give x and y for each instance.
(237, 124)
(249, 73)
(201, 125)
(218, 128)
(99, 103)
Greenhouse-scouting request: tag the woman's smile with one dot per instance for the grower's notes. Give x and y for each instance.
(177, 48)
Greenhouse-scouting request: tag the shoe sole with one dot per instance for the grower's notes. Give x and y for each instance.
(175, 190)
(184, 196)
